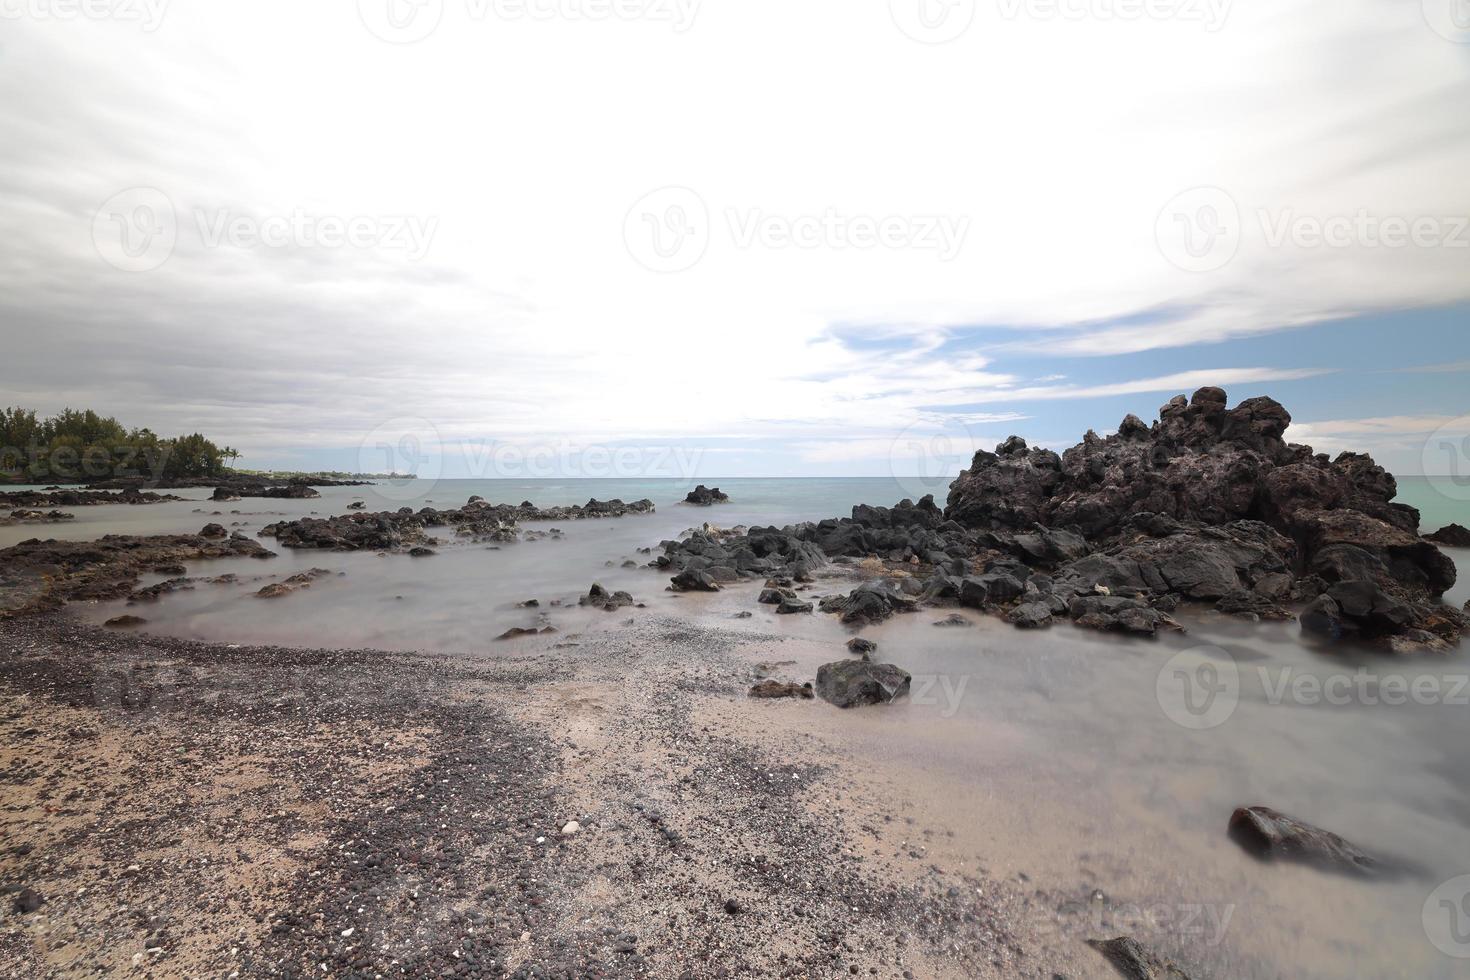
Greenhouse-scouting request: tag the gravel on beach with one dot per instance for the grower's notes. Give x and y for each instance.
(182, 809)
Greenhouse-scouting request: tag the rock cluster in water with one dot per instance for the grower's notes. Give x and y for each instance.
(57, 497)
(703, 496)
(40, 575)
(407, 530)
(290, 491)
(1207, 505)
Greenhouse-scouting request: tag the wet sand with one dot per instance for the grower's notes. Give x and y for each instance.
(192, 810)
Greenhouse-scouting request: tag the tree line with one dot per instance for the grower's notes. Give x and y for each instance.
(82, 446)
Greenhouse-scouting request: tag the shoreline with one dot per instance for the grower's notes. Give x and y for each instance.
(432, 789)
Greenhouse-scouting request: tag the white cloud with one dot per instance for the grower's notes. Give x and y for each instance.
(529, 141)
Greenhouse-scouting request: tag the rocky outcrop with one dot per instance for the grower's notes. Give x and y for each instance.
(703, 496)
(291, 491)
(36, 517)
(852, 683)
(405, 529)
(1451, 536)
(42, 575)
(1210, 504)
(35, 499)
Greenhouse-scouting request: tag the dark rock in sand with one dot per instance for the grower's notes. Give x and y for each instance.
(1135, 961)
(518, 631)
(851, 683)
(1451, 535)
(1273, 836)
(776, 689)
(790, 606)
(26, 901)
(704, 496)
(125, 622)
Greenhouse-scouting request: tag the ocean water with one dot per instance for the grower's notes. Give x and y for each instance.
(1078, 760)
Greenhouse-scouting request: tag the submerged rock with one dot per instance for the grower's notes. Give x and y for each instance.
(851, 683)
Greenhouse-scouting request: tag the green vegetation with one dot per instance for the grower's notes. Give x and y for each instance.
(80, 447)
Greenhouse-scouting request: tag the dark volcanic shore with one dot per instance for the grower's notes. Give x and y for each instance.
(204, 810)
(1207, 506)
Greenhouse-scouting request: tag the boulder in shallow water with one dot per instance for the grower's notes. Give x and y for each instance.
(1031, 615)
(1273, 836)
(703, 496)
(694, 580)
(851, 683)
(861, 646)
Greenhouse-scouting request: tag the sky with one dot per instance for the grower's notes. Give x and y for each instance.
(705, 238)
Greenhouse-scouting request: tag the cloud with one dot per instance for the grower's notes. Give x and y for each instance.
(529, 318)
